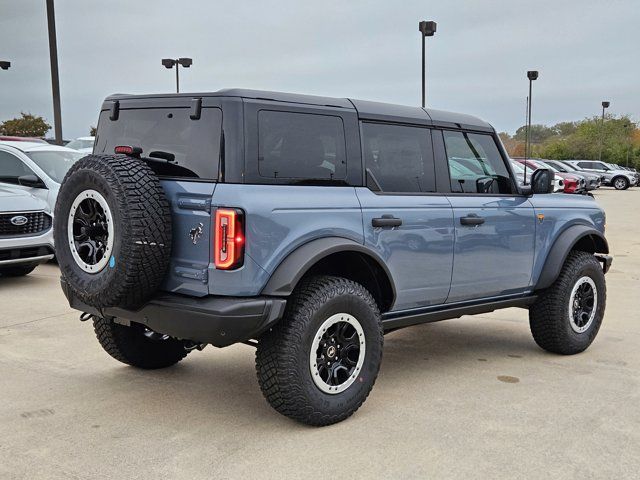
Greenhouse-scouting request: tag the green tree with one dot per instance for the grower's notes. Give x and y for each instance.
(565, 128)
(26, 126)
(539, 133)
(93, 131)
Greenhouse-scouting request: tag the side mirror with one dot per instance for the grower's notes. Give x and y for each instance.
(542, 181)
(31, 181)
(484, 184)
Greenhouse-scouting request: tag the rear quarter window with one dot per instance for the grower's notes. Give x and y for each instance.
(301, 146)
(194, 144)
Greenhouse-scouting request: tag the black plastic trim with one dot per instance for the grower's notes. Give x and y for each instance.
(396, 320)
(220, 321)
(561, 248)
(293, 267)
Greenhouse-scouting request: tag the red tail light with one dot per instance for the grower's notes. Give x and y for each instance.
(228, 239)
(128, 150)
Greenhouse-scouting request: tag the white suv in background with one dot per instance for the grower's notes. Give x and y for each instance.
(36, 168)
(613, 175)
(82, 144)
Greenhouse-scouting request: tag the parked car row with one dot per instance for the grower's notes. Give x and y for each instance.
(580, 176)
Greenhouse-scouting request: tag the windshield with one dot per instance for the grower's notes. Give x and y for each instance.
(55, 163)
(557, 166)
(569, 167)
(80, 143)
(517, 167)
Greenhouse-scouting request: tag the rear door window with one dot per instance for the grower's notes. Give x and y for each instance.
(192, 145)
(301, 146)
(399, 157)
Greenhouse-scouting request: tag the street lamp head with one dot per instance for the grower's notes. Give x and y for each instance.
(5, 65)
(606, 104)
(185, 62)
(168, 62)
(532, 75)
(428, 29)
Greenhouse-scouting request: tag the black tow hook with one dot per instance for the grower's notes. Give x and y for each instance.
(84, 316)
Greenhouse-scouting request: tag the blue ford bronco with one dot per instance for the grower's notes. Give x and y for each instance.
(308, 227)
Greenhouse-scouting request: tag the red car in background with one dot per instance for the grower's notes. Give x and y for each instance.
(572, 183)
(8, 138)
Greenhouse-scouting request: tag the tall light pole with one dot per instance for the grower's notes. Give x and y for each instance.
(170, 63)
(531, 75)
(605, 105)
(427, 29)
(55, 80)
(4, 65)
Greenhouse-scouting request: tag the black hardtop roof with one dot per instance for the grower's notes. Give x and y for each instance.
(366, 109)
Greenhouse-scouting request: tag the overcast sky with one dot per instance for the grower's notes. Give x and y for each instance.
(586, 52)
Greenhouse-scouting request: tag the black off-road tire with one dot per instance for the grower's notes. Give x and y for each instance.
(17, 271)
(619, 185)
(142, 240)
(282, 356)
(549, 318)
(131, 346)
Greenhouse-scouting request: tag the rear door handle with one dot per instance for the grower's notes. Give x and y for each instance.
(472, 219)
(386, 221)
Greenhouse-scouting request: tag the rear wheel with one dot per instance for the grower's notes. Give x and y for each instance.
(16, 271)
(138, 346)
(318, 365)
(567, 316)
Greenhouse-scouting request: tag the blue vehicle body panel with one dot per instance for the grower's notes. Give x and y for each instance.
(419, 253)
(279, 219)
(561, 212)
(190, 207)
(496, 257)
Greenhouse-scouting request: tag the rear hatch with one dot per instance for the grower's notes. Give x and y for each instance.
(181, 141)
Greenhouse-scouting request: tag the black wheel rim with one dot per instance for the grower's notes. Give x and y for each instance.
(583, 304)
(337, 353)
(90, 231)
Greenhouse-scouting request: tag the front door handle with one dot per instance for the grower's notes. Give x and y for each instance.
(386, 221)
(472, 219)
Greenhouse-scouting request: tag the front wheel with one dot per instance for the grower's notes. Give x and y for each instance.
(319, 363)
(620, 183)
(567, 316)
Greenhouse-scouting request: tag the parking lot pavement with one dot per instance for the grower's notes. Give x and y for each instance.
(466, 398)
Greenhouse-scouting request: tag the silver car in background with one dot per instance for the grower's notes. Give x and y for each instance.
(592, 180)
(26, 233)
(613, 176)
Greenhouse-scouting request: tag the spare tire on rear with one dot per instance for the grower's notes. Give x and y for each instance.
(112, 231)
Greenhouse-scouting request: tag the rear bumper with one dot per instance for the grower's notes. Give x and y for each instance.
(220, 321)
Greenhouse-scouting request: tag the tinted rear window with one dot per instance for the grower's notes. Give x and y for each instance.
(399, 157)
(194, 144)
(301, 146)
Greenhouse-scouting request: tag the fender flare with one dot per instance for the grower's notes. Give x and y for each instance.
(287, 275)
(561, 248)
